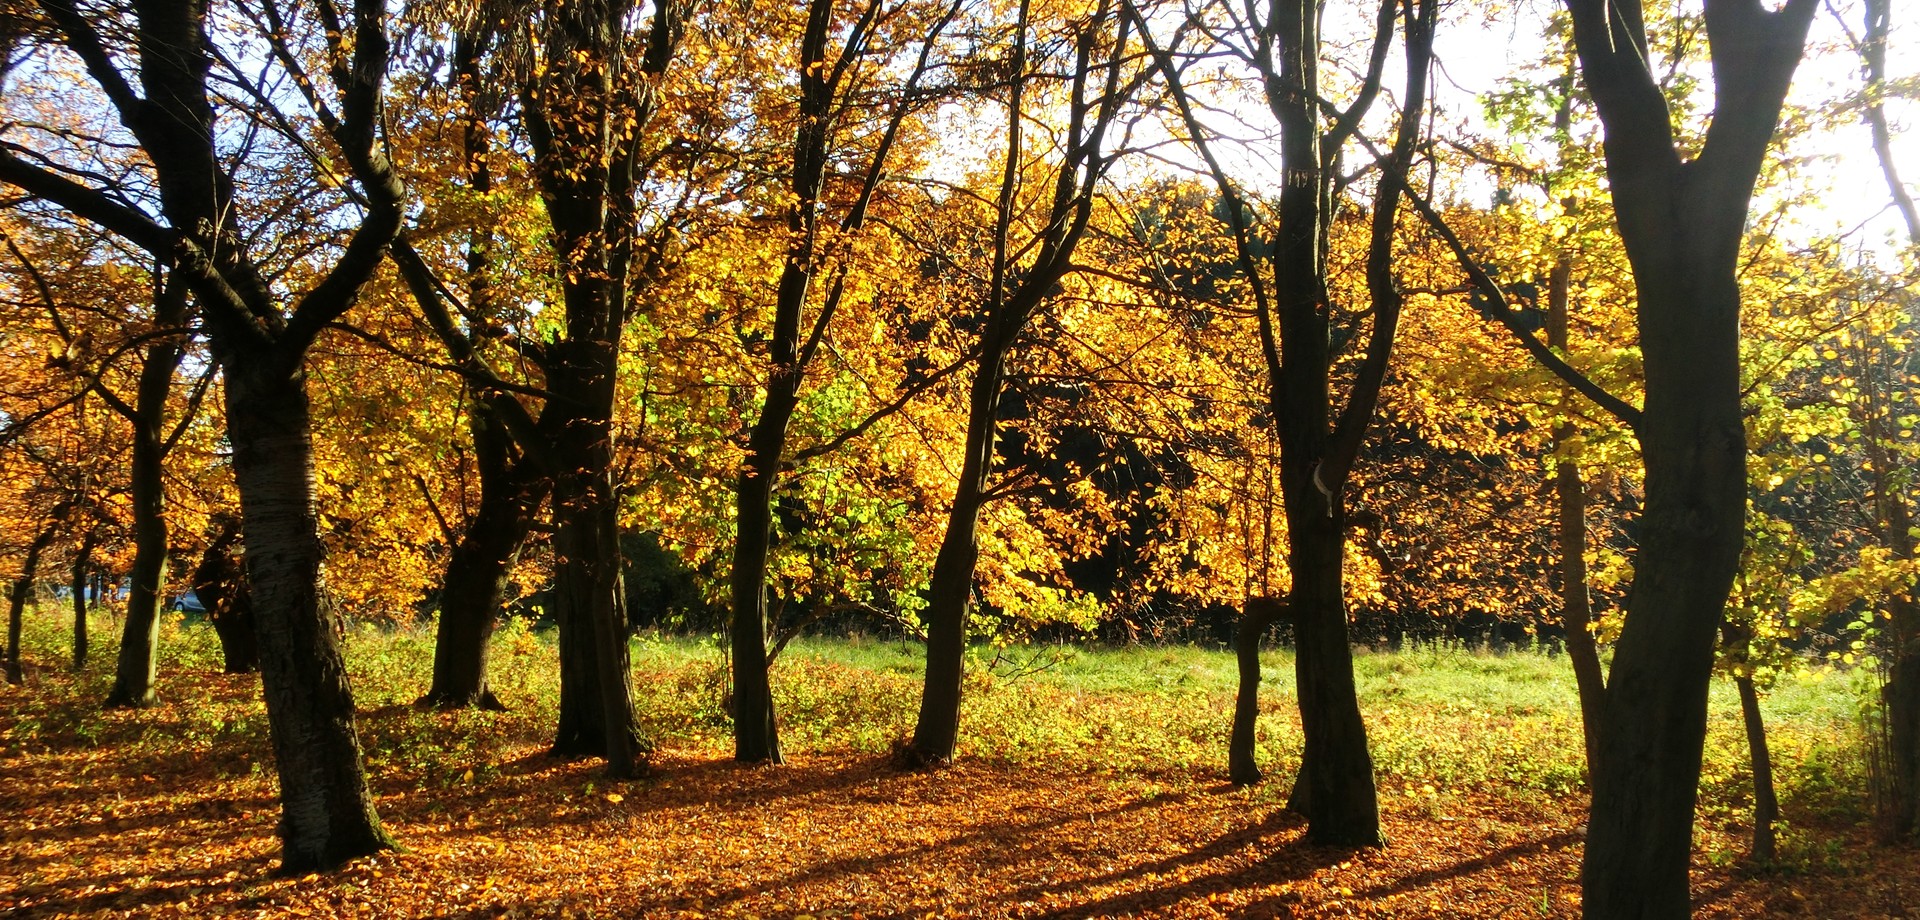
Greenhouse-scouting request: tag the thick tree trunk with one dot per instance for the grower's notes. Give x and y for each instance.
(1902, 697)
(1576, 611)
(134, 670)
(473, 593)
(1682, 221)
(1654, 723)
(1335, 788)
(596, 701)
(17, 602)
(220, 582)
(327, 810)
(950, 593)
(1261, 613)
(81, 575)
(756, 735)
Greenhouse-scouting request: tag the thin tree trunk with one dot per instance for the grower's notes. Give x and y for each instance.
(135, 669)
(82, 569)
(327, 809)
(1576, 612)
(473, 593)
(1766, 805)
(1260, 615)
(1873, 56)
(22, 590)
(950, 593)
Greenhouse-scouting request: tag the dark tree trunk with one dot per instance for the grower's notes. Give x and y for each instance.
(1335, 788)
(1576, 611)
(17, 601)
(473, 593)
(950, 593)
(1682, 222)
(1902, 696)
(1016, 291)
(1766, 805)
(327, 814)
(81, 576)
(220, 582)
(584, 119)
(1260, 615)
(596, 702)
(756, 737)
(135, 669)
(327, 810)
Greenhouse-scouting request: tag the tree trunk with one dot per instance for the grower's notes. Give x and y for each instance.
(1260, 615)
(1647, 776)
(1902, 696)
(1335, 788)
(134, 670)
(596, 702)
(756, 735)
(220, 582)
(1766, 805)
(327, 810)
(1682, 221)
(473, 593)
(950, 592)
(16, 609)
(82, 569)
(1576, 611)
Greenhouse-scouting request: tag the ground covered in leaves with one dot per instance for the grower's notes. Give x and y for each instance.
(171, 811)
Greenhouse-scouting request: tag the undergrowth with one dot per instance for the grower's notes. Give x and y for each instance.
(1441, 722)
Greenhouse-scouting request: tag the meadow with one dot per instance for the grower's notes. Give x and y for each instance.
(1090, 783)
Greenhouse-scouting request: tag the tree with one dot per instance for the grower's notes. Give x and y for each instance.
(1017, 285)
(587, 105)
(260, 343)
(832, 89)
(1319, 444)
(1682, 222)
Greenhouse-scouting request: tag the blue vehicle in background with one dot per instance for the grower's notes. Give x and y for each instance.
(188, 602)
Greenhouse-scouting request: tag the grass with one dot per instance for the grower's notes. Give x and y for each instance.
(1438, 719)
(1478, 758)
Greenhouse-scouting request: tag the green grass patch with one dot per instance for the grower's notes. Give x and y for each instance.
(1440, 721)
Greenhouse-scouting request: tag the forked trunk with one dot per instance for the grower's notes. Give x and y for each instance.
(327, 810)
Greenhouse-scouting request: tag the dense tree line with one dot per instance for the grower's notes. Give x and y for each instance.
(963, 321)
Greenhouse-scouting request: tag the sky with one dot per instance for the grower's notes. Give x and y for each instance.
(1480, 45)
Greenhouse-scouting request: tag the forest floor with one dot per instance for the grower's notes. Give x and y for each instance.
(1073, 799)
